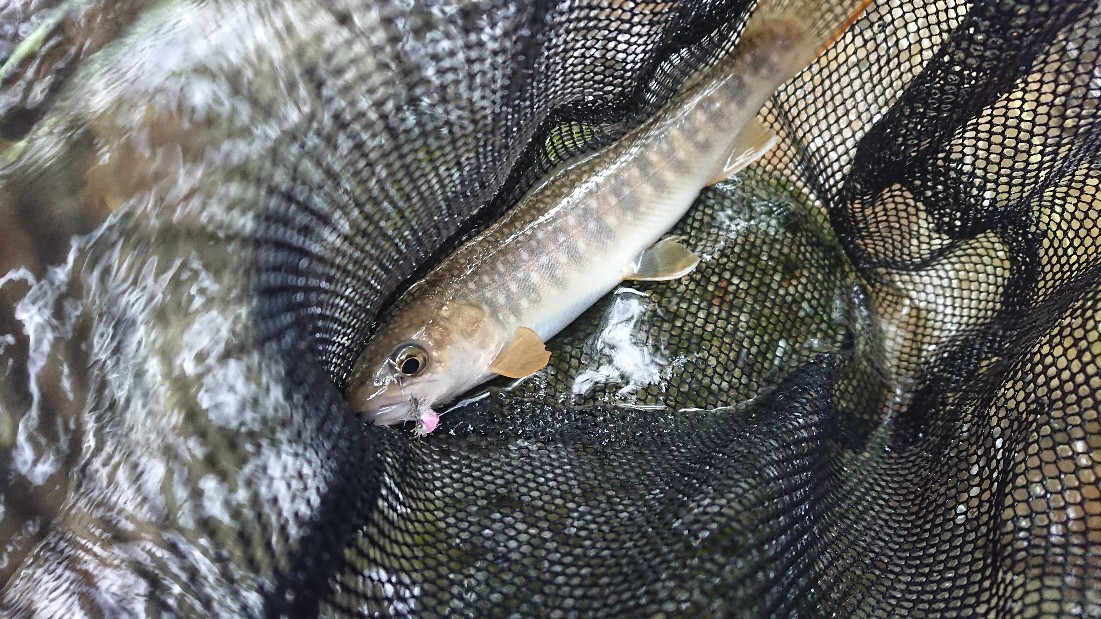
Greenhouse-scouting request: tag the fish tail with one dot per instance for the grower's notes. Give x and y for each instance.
(823, 21)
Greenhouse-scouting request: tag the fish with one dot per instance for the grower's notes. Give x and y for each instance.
(488, 308)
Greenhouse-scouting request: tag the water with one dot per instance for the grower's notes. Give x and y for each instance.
(623, 359)
(145, 429)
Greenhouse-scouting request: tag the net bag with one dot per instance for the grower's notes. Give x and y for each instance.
(877, 395)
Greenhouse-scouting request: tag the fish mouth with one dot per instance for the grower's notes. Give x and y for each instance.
(395, 413)
(392, 404)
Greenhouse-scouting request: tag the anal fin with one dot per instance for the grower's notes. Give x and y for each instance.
(523, 355)
(751, 144)
(667, 259)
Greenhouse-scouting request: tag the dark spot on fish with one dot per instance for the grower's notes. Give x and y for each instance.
(551, 269)
(571, 251)
(602, 228)
(672, 156)
(658, 184)
(735, 90)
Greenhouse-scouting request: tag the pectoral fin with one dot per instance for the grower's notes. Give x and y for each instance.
(750, 145)
(524, 355)
(667, 259)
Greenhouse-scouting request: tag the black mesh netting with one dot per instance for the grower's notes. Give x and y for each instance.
(878, 395)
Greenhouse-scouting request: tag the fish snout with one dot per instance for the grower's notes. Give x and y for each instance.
(394, 403)
(394, 412)
(383, 404)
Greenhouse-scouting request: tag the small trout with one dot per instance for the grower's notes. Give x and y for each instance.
(488, 308)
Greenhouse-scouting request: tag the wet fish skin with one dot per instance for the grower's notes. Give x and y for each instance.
(573, 237)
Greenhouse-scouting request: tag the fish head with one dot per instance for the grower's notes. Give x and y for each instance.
(426, 354)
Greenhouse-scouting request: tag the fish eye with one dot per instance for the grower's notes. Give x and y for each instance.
(410, 359)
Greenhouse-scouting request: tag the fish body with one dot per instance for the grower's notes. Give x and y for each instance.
(487, 308)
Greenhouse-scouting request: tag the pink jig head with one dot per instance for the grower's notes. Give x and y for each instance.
(428, 422)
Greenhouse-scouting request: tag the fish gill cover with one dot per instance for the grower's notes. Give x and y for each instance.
(876, 396)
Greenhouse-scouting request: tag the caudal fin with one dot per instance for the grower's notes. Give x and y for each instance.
(823, 21)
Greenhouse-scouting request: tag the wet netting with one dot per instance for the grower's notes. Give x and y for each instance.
(878, 395)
